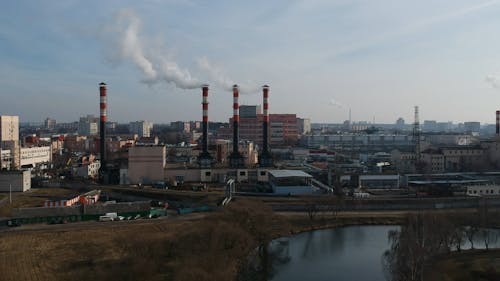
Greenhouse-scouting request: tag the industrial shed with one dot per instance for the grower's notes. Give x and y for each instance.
(290, 182)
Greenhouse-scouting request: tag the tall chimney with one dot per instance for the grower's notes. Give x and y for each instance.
(236, 160)
(265, 159)
(236, 119)
(498, 122)
(102, 128)
(265, 122)
(205, 160)
(205, 119)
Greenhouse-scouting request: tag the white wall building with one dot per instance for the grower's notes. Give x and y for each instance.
(35, 156)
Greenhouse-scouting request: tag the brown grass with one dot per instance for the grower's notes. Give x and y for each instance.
(478, 265)
(209, 248)
(35, 198)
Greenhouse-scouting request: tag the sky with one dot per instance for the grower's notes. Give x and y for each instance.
(319, 57)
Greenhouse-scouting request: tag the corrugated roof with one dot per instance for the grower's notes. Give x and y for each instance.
(289, 174)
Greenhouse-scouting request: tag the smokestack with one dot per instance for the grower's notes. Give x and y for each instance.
(205, 119)
(498, 122)
(235, 159)
(102, 128)
(265, 123)
(236, 119)
(265, 159)
(205, 160)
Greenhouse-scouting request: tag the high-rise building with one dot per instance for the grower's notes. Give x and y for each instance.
(400, 123)
(9, 138)
(141, 128)
(88, 125)
(472, 127)
(304, 126)
(9, 128)
(50, 124)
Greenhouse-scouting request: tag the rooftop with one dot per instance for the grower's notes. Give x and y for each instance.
(289, 174)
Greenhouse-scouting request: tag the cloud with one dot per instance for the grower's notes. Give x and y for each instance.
(335, 103)
(493, 80)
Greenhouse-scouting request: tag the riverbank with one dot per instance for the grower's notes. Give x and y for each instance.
(466, 265)
(209, 246)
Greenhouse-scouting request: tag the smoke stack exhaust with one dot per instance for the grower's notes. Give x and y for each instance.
(205, 160)
(265, 159)
(102, 129)
(498, 122)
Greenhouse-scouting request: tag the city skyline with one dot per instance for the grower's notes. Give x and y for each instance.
(320, 58)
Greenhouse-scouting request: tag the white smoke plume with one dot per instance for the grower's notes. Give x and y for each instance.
(493, 80)
(126, 45)
(216, 74)
(335, 103)
(124, 38)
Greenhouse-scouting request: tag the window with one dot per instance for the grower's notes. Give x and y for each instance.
(262, 173)
(207, 174)
(242, 173)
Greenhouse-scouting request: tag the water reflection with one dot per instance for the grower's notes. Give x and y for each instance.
(348, 253)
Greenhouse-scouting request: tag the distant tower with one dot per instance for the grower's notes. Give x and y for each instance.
(416, 135)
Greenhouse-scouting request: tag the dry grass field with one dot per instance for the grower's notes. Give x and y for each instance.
(477, 265)
(186, 248)
(35, 198)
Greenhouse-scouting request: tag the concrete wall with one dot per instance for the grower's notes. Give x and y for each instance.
(20, 181)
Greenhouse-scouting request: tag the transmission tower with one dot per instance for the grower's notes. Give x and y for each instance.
(416, 136)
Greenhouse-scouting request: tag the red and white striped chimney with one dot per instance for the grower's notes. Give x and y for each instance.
(236, 119)
(265, 104)
(102, 128)
(498, 122)
(103, 101)
(205, 119)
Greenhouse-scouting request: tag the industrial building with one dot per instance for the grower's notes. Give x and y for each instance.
(15, 181)
(290, 182)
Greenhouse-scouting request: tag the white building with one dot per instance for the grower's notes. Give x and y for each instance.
(19, 181)
(141, 128)
(32, 157)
